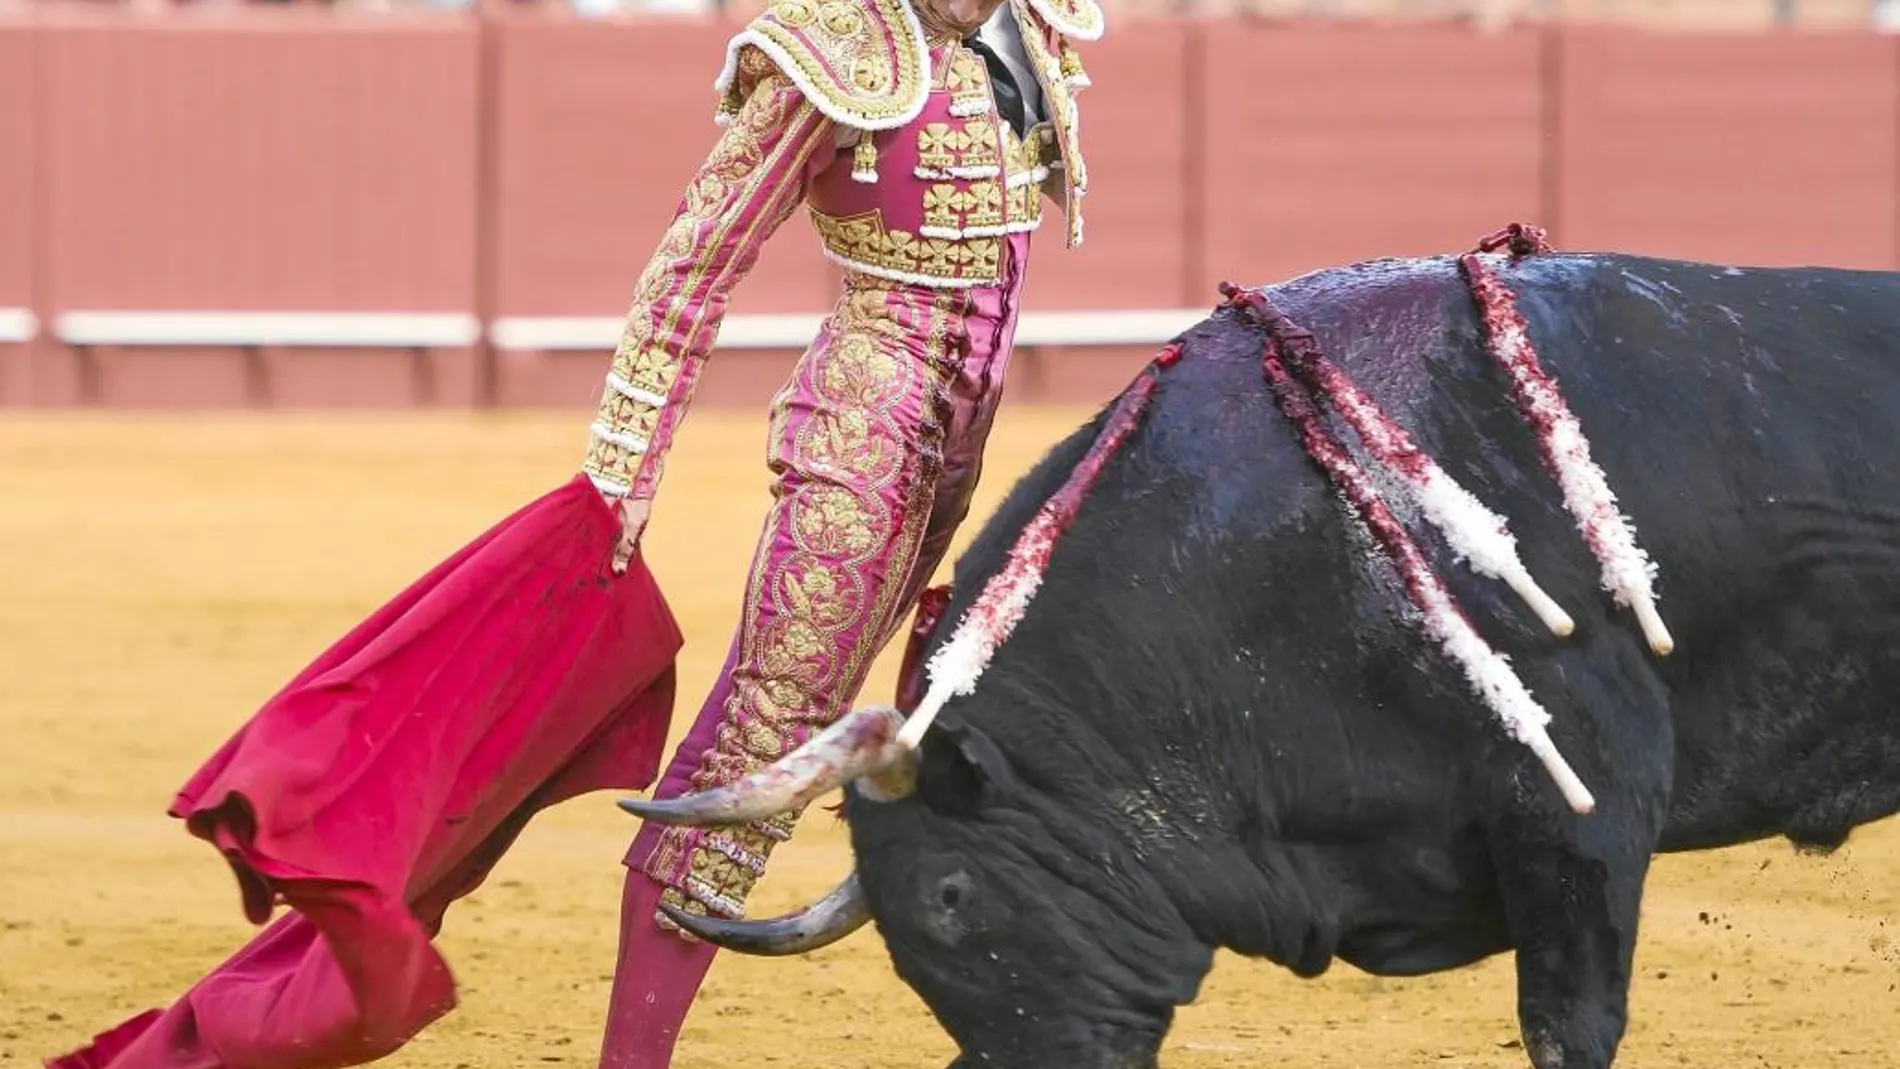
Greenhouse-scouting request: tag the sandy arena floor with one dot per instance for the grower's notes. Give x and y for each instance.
(160, 577)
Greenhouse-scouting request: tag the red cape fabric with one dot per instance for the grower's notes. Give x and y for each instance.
(386, 780)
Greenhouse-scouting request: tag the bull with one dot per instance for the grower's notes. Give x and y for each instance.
(1221, 725)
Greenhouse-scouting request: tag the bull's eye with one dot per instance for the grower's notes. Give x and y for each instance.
(953, 890)
(947, 907)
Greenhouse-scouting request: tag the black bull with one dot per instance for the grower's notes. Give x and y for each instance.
(1220, 726)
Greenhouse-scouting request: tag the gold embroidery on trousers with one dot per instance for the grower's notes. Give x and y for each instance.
(801, 664)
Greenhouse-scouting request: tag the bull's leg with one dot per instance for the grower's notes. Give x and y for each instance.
(1096, 1050)
(1572, 909)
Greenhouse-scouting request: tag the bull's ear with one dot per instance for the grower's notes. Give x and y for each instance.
(960, 770)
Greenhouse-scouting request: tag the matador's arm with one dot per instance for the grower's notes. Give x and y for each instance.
(752, 181)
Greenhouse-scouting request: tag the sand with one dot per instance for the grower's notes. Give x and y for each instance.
(161, 576)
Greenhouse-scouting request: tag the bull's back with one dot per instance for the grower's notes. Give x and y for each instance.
(1748, 422)
(1768, 378)
(1724, 405)
(1682, 369)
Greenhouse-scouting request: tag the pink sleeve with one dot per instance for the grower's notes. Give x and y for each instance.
(754, 178)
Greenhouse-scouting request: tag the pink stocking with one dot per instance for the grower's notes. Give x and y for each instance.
(659, 974)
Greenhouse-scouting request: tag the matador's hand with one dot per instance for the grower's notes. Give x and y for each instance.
(633, 513)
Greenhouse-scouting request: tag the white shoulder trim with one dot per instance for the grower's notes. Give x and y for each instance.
(1066, 24)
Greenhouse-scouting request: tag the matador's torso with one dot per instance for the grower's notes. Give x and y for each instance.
(930, 173)
(892, 139)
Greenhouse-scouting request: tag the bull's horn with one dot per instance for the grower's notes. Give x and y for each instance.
(820, 924)
(863, 741)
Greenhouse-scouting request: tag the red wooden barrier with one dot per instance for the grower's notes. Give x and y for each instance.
(1329, 145)
(1135, 121)
(598, 129)
(269, 161)
(18, 114)
(1137, 136)
(1768, 150)
(280, 160)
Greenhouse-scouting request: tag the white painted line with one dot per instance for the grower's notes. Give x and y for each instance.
(528, 333)
(795, 330)
(17, 325)
(344, 329)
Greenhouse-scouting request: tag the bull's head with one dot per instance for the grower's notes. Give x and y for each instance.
(1034, 938)
(1005, 885)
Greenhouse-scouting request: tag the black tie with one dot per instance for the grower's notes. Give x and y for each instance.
(1009, 98)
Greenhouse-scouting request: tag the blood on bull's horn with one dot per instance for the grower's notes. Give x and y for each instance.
(862, 743)
(821, 924)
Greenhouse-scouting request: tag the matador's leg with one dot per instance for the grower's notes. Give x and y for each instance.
(863, 384)
(857, 444)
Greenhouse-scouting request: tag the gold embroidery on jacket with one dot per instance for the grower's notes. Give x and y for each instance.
(941, 146)
(1059, 99)
(985, 204)
(861, 241)
(980, 144)
(862, 59)
(750, 183)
